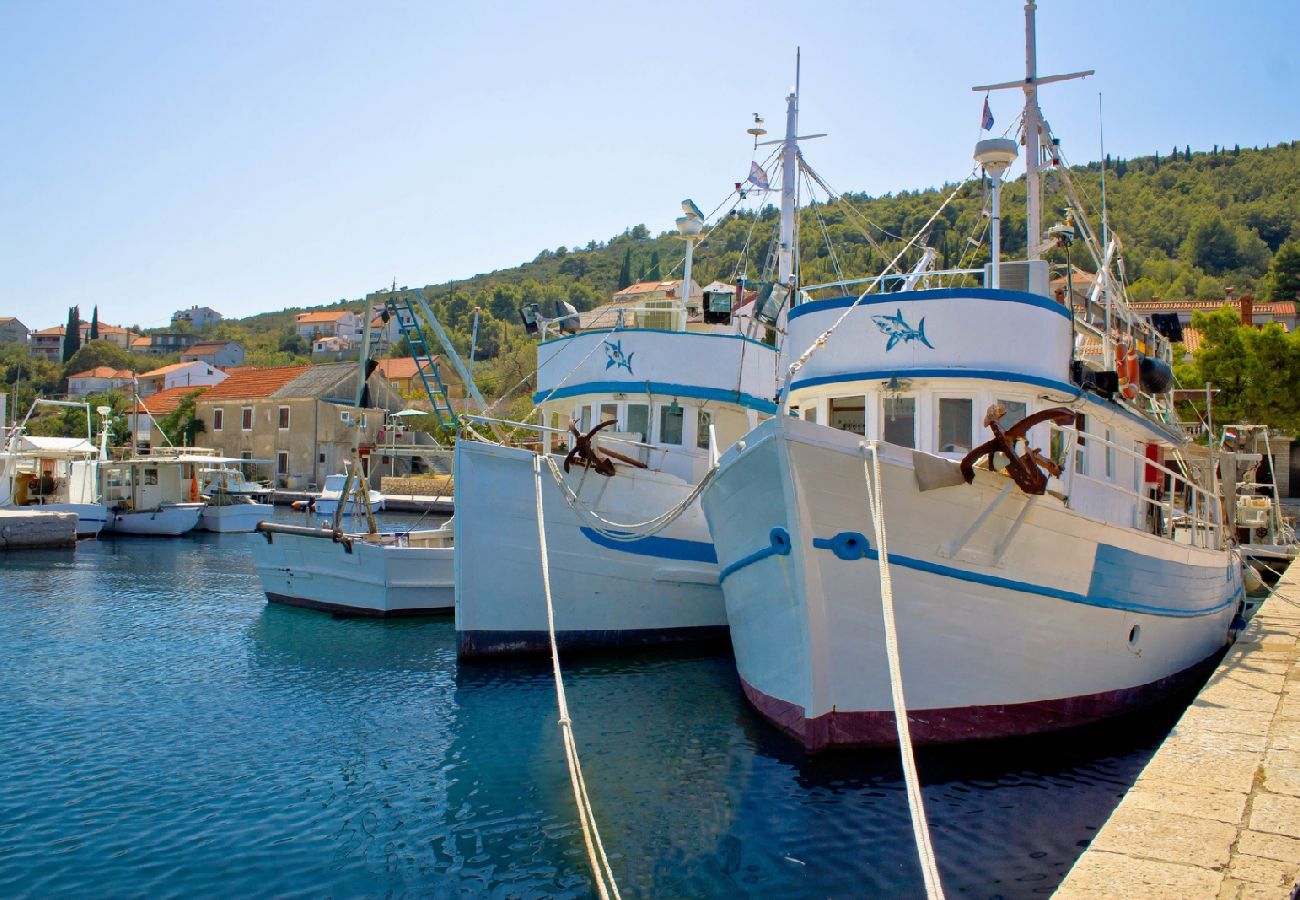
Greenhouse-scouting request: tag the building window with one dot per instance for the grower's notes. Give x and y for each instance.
(670, 423)
(703, 421)
(956, 418)
(900, 421)
(244, 468)
(282, 462)
(284, 418)
(638, 420)
(1110, 454)
(1080, 444)
(246, 422)
(848, 414)
(810, 413)
(218, 419)
(609, 411)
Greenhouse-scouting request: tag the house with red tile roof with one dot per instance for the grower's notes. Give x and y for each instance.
(99, 380)
(403, 377)
(181, 374)
(222, 354)
(342, 323)
(302, 417)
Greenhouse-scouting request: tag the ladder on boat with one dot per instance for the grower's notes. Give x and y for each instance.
(426, 365)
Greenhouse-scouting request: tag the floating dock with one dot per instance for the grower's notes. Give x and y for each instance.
(22, 529)
(1216, 813)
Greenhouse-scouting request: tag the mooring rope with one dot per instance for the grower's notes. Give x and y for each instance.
(600, 869)
(915, 800)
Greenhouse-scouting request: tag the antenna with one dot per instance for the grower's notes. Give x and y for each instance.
(797, 52)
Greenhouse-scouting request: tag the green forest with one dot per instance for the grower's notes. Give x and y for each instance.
(1193, 224)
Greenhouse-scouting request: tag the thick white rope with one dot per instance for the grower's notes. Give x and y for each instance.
(600, 869)
(617, 531)
(915, 800)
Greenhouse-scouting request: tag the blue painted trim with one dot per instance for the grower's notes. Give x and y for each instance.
(658, 547)
(779, 546)
(990, 375)
(658, 387)
(847, 545)
(699, 334)
(1089, 599)
(1022, 297)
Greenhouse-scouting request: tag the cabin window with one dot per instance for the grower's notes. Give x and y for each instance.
(638, 420)
(900, 421)
(609, 411)
(1080, 444)
(246, 423)
(956, 418)
(284, 418)
(282, 462)
(670, 424)
(150, 476)
(1110, 454)
(810, 413)
(703, 420)
(848, 414)
(583, 415)
(1015, 411)
(218, 419)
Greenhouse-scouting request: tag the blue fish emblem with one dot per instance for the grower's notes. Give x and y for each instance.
(614, 358)
(899, 330)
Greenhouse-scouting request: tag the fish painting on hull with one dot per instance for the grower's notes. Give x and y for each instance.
(899, 330)
(614, 357)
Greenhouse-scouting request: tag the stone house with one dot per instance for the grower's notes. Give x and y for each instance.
(12, 331)
(341, 323)
(197, 316)
(48, 342)
(99, 380)
(301, 417)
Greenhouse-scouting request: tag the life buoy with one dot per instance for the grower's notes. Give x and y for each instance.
(1126, 365)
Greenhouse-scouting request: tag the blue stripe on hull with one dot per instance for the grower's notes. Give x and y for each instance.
(1121, 579)
(658, 547)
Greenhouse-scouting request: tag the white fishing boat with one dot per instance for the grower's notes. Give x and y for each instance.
(57, 474)
(1031, 590)
(629, 555)
(153, 495)
(385, 574)
(327, 501)
(230, 504)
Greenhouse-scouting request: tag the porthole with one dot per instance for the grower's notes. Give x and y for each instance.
(1134, 635)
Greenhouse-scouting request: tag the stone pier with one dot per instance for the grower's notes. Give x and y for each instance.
(1216, 813)
(22, 529)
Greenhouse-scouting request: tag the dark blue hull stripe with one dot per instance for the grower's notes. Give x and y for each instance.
(851, 542)
(470, 644)
(658, 547)
(901, 297)
(632, 386)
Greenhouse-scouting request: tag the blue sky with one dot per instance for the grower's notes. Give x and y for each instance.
(251, 156)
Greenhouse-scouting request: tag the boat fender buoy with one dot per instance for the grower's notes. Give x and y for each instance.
(1126, 366)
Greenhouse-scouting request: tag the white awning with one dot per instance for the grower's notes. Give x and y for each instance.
(56, 446)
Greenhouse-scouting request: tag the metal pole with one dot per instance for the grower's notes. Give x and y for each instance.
(1032, 150)
(473, 343)
(995, 249)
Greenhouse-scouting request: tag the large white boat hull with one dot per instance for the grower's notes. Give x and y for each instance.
(168, 520)
(1072, 621)
(606, 593)
(353, 576)
(236, 517)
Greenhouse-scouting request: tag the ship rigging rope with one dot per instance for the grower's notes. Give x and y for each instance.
(826, 335)
(600, 869)
(915, 800)
(616, 531)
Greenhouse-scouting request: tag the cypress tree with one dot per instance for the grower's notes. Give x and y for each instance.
(72, 333)
(94, 323)
(625, 273)
(1187, 152)
(654, 266)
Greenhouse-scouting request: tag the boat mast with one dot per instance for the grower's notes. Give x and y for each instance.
(789, 184)
(1033, 129)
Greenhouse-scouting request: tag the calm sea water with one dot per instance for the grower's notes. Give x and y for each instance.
(165, 732)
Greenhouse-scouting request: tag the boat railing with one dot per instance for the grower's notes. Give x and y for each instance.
(656, 455)
(945, 277)
(1181, 507)
(664, 315)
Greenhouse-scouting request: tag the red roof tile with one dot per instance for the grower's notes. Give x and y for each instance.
(164, 402)
(309, 318)
(401, 367)
(253, 384)
(103, 372)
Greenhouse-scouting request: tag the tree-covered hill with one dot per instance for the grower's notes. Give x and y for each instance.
(1192, 224)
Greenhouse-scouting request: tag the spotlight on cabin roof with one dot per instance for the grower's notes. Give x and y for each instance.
(995, 154)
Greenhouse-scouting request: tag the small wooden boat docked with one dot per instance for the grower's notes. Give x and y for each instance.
(231, 506)
(153, 495)
(385, 574)
(327, 501)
